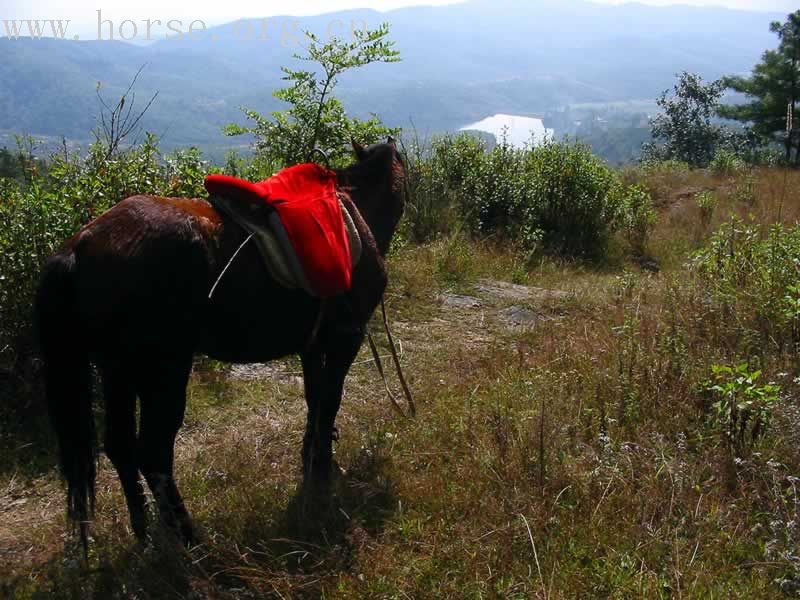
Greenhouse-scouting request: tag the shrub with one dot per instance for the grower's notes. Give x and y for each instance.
(494, 196)
(749, 271)
(707, 203)
(37, 216)
(638, 218)
(573, 198)
(32, 223)
(185, 171)
(436, 176)
(726, 162)
(743, 408)
(557, 195)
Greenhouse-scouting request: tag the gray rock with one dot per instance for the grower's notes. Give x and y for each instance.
(520, 293)
(457, 301)
(279, 373)
(519, 316)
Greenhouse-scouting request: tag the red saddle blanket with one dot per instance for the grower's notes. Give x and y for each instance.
(304, 197)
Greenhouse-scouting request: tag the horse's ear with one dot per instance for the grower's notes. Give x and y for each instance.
(392, 142)
(358, 149)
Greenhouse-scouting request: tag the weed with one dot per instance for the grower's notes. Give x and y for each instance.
(707, 203)
(743, 409)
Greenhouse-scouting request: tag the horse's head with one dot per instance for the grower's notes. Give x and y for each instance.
(377, 183)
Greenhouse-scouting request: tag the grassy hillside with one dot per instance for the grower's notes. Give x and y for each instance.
(567, 445)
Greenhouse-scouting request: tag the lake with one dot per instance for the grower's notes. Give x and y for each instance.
(520, 129)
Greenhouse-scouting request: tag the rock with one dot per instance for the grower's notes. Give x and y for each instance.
(277, 372)
(649, 264)
(512, 291)
(519, 316)
(457, 301)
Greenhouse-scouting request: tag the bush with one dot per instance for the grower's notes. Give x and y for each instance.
(574, 198)
(751, 271)
(436, 176)
(743, 408)
(185, 173)
(707, 203)
(36, 217)
(726, 162)
(557, 195)
(495, 195)
(32, 224)
(638, 218)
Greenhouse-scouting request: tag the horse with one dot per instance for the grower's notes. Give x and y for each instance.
(129, 293)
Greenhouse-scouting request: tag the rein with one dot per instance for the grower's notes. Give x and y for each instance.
(412, 407)
(320, 151)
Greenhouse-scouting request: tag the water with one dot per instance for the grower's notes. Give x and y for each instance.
(520, 130)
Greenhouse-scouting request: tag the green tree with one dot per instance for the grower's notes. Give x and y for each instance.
(774, 89)
(9, 165)
(315, 117)
(685, 131)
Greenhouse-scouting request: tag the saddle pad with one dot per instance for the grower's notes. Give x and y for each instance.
(313, 221)
(274, 246)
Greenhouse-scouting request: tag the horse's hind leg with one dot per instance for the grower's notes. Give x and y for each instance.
(120, 441)
(163, 399)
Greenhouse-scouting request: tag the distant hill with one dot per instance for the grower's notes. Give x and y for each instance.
(461, 63)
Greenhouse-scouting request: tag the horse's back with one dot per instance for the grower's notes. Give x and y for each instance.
(141, 274)
(141, 270)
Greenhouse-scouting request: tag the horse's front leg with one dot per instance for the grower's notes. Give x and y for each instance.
(324, 390)
(313, 379)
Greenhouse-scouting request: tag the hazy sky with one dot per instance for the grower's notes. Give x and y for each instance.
(765, 5)
(83, 12)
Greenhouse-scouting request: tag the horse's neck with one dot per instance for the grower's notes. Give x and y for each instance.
(378, 225)
(368, 205)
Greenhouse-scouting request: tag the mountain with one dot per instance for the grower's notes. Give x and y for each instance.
(461, 63)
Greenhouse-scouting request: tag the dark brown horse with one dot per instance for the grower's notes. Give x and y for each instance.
(130, 293)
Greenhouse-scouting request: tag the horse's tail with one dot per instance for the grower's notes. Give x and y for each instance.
(68, 385)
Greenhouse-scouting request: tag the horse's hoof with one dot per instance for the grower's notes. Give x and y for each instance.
(139, 525)
(183, 528)
(188, 535)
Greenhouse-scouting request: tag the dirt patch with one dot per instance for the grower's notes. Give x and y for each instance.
(24, 508)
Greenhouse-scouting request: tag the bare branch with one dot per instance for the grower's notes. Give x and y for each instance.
(120, 122)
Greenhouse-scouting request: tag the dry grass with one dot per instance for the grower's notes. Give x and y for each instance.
(573, 458)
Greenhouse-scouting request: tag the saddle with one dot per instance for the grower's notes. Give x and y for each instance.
(309, 240)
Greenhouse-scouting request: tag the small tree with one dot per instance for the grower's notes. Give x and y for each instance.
(774, 89)
(316, 118)
(684, 131)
